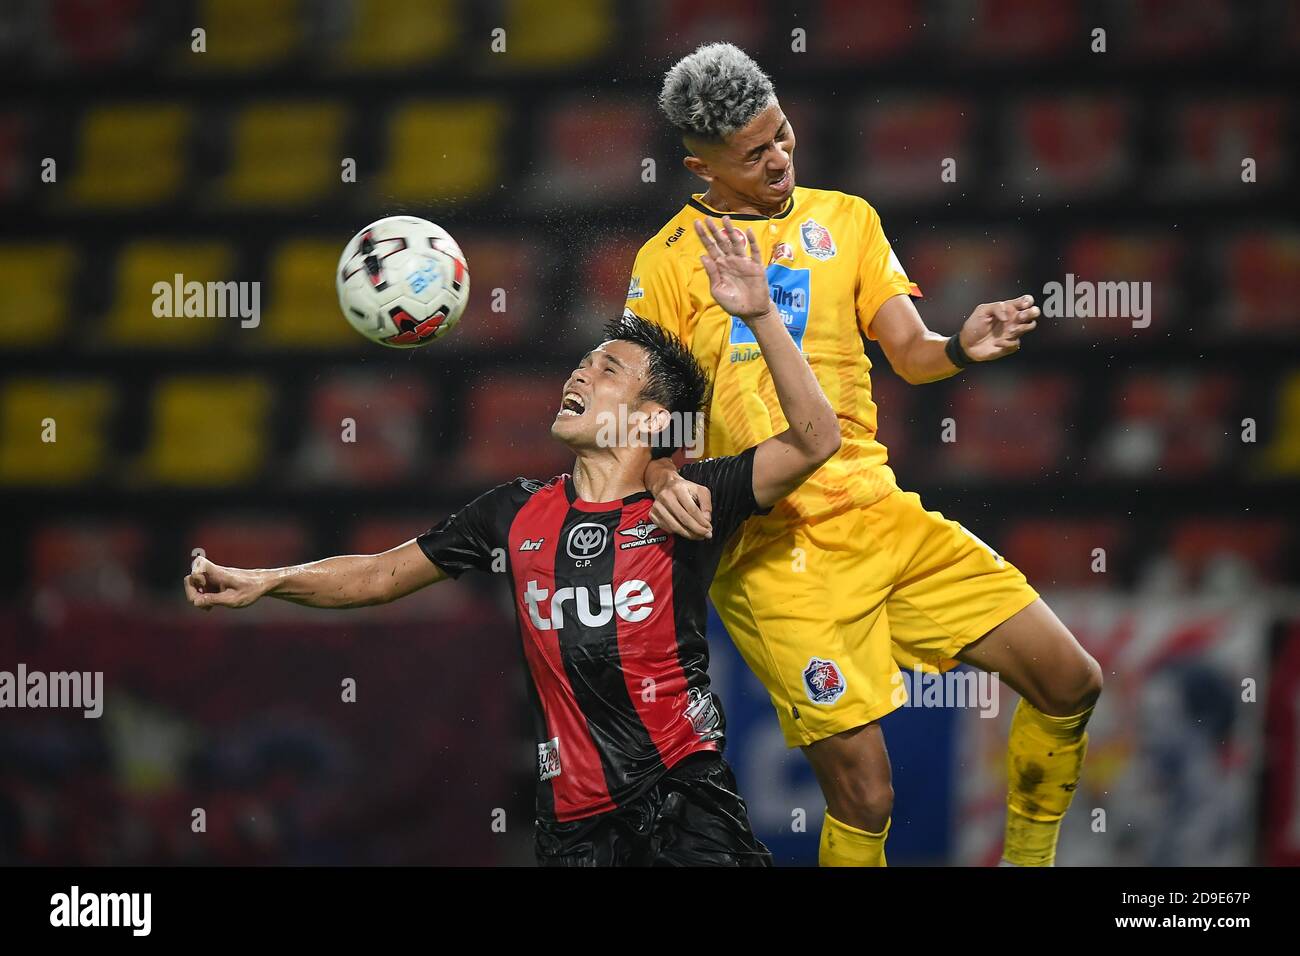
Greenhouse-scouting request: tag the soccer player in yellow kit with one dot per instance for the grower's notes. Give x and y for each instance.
(848, 577)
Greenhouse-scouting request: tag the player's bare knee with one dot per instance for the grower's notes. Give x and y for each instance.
(1071, 690)
(861, 801)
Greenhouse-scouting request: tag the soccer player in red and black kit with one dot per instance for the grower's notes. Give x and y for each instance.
(611, 609)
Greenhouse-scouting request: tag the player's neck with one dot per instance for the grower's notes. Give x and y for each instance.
(723, 200)
(599, 477)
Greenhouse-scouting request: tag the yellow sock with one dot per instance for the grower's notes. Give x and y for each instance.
(1044, 761)
(843, 845)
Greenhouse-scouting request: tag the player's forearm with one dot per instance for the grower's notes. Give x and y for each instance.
(353, 580)
(925, 360)
(813, 427)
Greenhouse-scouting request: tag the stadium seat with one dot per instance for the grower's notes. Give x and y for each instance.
(1158, 29)
(1171, 425)
(534, 37)
(91, 559)
(391, 417)
(1280, 458)
(512, 265)
(507, 428)
(130, 155)
(71, 412)
(682, 25)
(143, 264)
(285, 153)
(1111, 257)
(1198, 542)
(250, 541)
(384, 35)
(1072, 146)
(206, 431)
(957, 270)
(904, 143)
(302, 311)
(36, 278)
(91, 33)
(575, 170)
(1261, 282)
(1056, 552)
(1210, 139)
(1008, 425)
(850, 31)
(442, 151)
(14, 173)
(244, 35)
(1011, 28)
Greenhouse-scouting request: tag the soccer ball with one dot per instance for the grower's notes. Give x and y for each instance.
(403, 282)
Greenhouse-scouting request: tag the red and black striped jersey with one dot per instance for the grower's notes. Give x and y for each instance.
(612, 616)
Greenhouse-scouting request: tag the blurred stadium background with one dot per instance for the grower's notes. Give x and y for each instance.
(176, 434)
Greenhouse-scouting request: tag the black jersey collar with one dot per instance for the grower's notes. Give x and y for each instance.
(698, 203)
(571, 492)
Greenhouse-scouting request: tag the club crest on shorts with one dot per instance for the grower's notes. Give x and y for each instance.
(816, 239)
(823, 681)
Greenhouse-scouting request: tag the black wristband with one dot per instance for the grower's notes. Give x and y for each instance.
(956, 354)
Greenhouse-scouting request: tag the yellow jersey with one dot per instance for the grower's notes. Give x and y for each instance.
(830, 269)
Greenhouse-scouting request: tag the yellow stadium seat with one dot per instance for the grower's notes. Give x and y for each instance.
(541, 33)
(285, 153)
(442, 150)
(396, 34)
(303, 307)
(130, 156)
(141, 266)
(35, 278)
(207, 431)
(244, 35)
(1281, 457)
(53, 430)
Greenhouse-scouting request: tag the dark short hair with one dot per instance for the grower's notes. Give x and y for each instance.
(675, 378)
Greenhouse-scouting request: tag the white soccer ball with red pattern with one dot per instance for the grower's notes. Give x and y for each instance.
(403, 282)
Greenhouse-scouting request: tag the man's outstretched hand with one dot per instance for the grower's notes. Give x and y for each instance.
(210, 585)
(994, 328)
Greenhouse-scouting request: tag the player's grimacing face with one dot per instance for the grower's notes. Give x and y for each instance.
(757, 161)
(601, 394)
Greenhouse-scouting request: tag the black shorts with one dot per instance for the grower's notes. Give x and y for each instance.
(692, 816)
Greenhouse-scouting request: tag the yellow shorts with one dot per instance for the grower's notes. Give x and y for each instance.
(825, 613)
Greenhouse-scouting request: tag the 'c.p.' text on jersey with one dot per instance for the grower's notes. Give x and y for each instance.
(829, 268)
(612, 617)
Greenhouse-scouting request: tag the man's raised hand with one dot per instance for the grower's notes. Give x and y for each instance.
(737, 278)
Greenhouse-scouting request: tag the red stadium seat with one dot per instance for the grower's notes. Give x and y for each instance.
(508, 428)
(1060, 553)
(1198, 542)
(1072, 146)
(252, 541)
(391, 418)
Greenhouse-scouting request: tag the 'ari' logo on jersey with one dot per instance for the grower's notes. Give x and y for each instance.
(816, 239)
(823, 681)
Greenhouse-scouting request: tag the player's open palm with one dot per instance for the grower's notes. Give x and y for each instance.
(210, 585)
(994, 328)
(736, 275)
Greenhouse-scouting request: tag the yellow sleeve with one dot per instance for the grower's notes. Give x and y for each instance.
(657, 291)
(880, 274)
